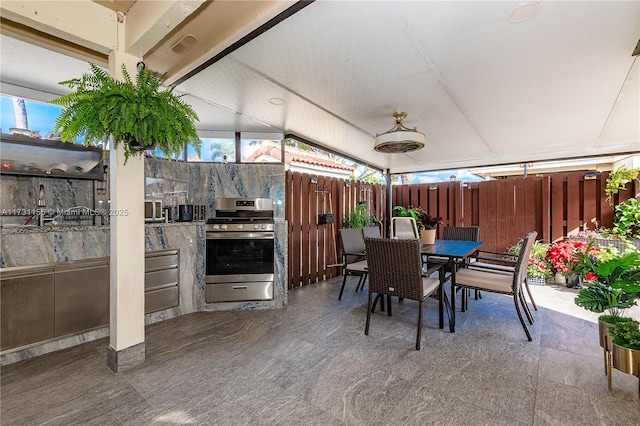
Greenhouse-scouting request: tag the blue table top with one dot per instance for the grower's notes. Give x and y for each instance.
(451, 248)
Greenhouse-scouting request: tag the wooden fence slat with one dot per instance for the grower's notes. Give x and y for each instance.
(313, 229)
(590, 200)
(296, 226)
(573, 200)
(557, 207)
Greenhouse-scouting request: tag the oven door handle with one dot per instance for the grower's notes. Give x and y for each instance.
(239, 235)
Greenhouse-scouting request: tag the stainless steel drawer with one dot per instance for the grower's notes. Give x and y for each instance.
(158, 300)
(161, 259)
(160, 279)
(237, 292)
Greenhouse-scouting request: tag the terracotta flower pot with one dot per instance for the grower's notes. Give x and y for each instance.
(428, 236)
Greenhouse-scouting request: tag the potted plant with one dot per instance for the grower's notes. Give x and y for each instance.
(140, 115)
(360, 217)
(425, 223)
(625, 351)
(613, 286)
(538, 269)
(563, 258)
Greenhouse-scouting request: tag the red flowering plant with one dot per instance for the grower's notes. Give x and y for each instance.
(570, 257)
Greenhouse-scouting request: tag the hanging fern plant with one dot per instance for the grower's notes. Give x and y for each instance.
(140, 115)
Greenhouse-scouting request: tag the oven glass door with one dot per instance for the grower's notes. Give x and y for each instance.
(240, 253)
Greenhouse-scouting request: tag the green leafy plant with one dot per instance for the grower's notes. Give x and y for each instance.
(360, 217)
(537, 266)
(626, 334)
(626, 219)
(137, 115)
(423, 219)
(613, 286)
(618, 180)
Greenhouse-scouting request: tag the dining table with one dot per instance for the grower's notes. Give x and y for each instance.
(455, 251)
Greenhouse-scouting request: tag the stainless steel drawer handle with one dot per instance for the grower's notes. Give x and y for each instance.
(240, 287)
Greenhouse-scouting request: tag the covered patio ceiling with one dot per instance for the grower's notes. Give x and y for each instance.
(485, 88)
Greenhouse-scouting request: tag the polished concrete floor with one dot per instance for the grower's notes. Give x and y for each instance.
(312, 364)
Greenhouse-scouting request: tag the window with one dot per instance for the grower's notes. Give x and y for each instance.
(261, 147)
(40, 117)
(216, 147)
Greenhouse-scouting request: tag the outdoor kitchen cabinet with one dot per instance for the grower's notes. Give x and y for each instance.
(161, 290)
(26, 306)
(41, 302)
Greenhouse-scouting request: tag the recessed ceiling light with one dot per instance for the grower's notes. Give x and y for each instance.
(524, 12)
(538, 126)
(276, 101)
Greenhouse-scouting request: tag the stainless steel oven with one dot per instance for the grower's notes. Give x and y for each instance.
(240, 251)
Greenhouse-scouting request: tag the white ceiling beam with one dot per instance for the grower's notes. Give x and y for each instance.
(148, 22)
(84, 23)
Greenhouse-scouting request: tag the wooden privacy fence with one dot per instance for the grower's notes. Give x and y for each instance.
(313, 247)
(505, 210)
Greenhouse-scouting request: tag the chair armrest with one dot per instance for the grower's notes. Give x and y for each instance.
(433, 269)
(495, 259)
(491, 267)
(500, 253)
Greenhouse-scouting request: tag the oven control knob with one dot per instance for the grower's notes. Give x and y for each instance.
(240, 226)
(256, 226)
(216, 226)
(264, 226)
(224, 226)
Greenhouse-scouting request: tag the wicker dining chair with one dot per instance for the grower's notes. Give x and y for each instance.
(403, 228)
(395, 269)
(371, 232)
(353, 257)
(501, 282)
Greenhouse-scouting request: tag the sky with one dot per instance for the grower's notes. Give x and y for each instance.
(41, 117)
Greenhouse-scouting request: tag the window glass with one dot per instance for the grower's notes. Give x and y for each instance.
(159, 154)
(219, 150)
(261, 148)
(40, 117)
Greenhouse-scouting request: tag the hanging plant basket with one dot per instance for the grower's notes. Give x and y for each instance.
(136, 146)
(102, 108)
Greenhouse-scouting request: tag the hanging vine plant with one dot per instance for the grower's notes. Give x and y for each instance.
(618, 180)
(139, 116)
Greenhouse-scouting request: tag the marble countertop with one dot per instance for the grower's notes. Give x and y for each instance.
(30, 229)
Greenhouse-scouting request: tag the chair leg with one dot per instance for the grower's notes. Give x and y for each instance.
(389, 305)
(441, 306)
(523, 302)
(526, 330)
(419, 338)
(364, 280)
(344, 281)
(375, 302)
(366, 327)
(533, 302)
(478, 295)
(359, 283)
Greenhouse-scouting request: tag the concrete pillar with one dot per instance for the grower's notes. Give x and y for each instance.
(126, 345)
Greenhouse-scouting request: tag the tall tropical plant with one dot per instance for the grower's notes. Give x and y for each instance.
(137, 115)
(613, 286)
